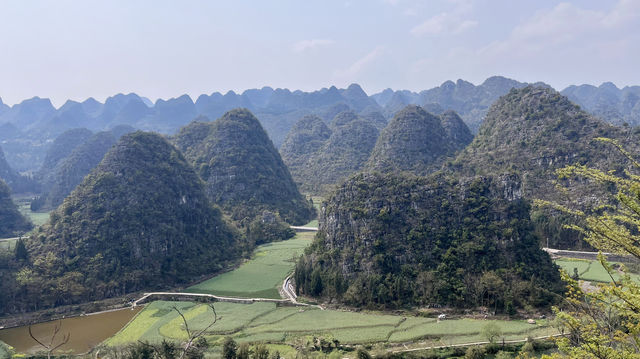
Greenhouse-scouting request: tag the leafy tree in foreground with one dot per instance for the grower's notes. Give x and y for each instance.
(606, 323)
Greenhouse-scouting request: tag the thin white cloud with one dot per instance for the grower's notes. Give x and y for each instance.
(451, 22)
(563, 25)
(360, 65)
(305, 45)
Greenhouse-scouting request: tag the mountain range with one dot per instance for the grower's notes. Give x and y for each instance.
(28, 128)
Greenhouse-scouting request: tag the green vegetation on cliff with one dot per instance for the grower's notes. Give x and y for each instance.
(391, 240)
(418, 142)
(329, 155)
(243, 171)
(306, 137)
(533, 132)
(140, 220)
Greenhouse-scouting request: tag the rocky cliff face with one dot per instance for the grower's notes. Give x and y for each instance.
(243, 171)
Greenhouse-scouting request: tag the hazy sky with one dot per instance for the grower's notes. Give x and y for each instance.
(76, 49)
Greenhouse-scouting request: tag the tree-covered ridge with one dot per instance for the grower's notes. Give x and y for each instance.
(11, 220)
(243, 171)
(416, 141)
(343, 153)
(533, 132)
(306, 137)
(60, 149)
(70, 171)
(141, 219)
(65, 172)
(393, 240)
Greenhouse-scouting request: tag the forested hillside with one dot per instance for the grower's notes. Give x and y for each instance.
(390, 240)
(243, 171)
(416, 141)
(141, 219)
(533, 132)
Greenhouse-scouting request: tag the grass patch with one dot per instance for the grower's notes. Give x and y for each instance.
(24, 206)
(262, 275)
(589, 270)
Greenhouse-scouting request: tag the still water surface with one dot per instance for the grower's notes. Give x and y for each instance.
(84, 332)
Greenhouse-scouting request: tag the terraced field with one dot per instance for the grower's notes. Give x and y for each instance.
(262, 275)
(266, 322)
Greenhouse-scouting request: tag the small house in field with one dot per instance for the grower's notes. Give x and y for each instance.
(442, 316)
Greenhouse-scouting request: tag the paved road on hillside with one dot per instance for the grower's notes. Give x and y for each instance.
(588, 255)
(289, 291)
(13, 239)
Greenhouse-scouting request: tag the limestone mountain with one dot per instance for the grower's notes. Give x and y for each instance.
(306, 137)
(533, 132)
(12, 222)
(416, 141)
(70, 171)
(392, 240)
(455, 129)
(60, 149)
(608, 102)
(70, 159)
(140, 220)
(344, 153)
(243, 171)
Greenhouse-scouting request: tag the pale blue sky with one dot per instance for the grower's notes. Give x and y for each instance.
(75, 49)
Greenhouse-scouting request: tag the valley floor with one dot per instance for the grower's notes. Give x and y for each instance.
(295, 326)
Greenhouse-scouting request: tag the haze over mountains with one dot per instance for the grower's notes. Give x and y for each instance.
(27, 129)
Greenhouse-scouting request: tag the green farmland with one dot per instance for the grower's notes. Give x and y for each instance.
(589, 270)
(262, 275)
(267, 322)
(284, 327)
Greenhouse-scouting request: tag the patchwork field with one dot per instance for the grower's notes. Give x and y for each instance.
(267, 322)
(589, 270)
(280, 325)
(262, 275)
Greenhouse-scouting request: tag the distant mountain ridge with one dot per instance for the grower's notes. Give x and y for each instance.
(614, 105)
(29, 127)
